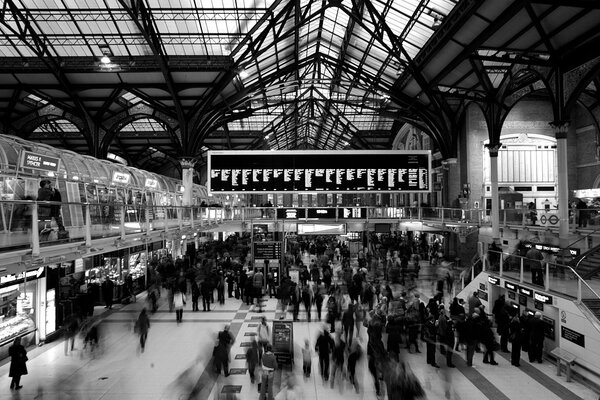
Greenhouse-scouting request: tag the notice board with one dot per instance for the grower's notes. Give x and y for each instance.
(283, 341)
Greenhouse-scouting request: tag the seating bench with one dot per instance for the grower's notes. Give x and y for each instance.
(566, 357)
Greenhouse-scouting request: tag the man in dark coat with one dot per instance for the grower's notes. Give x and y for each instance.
(205, 292)
(108, 287)
(536, 338)
(515, 330)
(324, 347)
(502, 321)
(534, 260)
(18, 357)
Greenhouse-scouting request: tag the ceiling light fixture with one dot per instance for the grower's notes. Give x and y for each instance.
(105, 59)
(243, 74)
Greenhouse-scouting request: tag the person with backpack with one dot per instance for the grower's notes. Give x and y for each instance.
(264, 335)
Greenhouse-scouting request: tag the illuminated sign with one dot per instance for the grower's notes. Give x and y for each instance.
(493, 280)
(525, 291)
(120, 178)
(290, 213)
(320, 213)
(511, 286)
(151, 183)
(40, 162)
(352, 212)
(550, 248)
(542, 298)
(319, 171)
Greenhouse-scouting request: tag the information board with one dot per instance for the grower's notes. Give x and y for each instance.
(267, 250)
(572, 336)
(283, 341)
(316, 171)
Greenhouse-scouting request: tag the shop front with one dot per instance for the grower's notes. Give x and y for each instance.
(125, 267)
(20, 306)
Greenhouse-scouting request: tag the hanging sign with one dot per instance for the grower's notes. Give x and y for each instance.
(151, 183)
(525, 291)
(494, 280)
(40, 161)
(120, 178)
(542, 298)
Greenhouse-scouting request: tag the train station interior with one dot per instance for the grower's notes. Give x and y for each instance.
(437, 149)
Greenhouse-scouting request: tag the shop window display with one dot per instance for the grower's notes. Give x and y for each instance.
(16, 313)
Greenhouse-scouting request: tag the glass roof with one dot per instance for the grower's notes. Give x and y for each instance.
(318, 75)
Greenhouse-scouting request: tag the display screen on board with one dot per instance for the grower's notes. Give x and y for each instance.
(319, 171)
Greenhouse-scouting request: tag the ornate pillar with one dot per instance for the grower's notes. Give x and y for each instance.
(187, 179)
(561, 130)
(493, 149)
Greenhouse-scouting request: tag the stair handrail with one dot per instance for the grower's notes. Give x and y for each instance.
(580, 281)
(583, 257)
(582, 238)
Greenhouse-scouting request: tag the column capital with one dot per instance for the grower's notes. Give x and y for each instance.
(187, 162)
(493, 148)
(561, 128)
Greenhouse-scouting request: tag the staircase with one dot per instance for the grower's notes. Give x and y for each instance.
(588, 264)
(593, 305)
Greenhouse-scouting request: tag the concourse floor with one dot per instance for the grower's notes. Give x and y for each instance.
(173, 364)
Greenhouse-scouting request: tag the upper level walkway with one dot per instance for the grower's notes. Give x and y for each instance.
(95, 228)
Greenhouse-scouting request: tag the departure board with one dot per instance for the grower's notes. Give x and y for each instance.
(267, 250)
(318, 171)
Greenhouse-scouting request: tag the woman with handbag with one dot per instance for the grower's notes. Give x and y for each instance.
(18, 357)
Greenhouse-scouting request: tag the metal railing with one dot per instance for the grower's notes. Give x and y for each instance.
(545, 274)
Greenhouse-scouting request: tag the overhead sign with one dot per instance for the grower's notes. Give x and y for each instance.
(319, 171)
(120, 178)
(267, 250)
(511, 286)
(151, 183)
(494, 280)
(291, 213)
(550, 248)
(327, 212)
(525, 291)
(542, 298)
(40, 162)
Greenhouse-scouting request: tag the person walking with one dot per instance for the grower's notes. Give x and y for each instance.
(252, 359)
(108, 287)
(338, 361)
(348, 324)
(264, 336)
(178, 302)
(221, 352)
(306, 359)
(71, 328)
(269, 365)
(430, 332)
(141, 327)
(195, 295)
(205, 290)
(257, 281)
(324, 347)
(18, 366)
